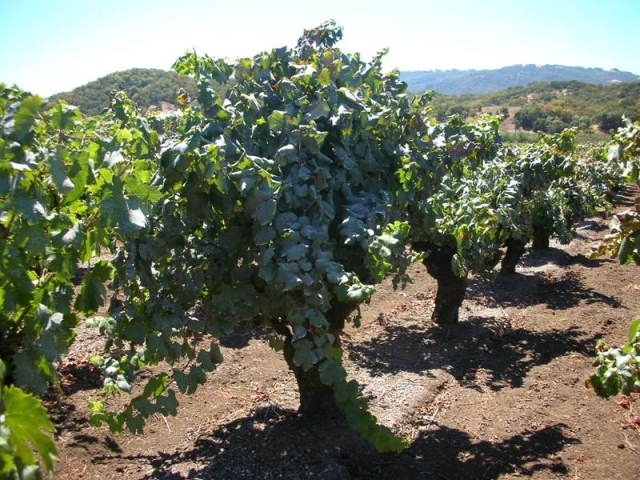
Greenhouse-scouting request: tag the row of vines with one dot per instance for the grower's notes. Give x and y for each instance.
(279, 206)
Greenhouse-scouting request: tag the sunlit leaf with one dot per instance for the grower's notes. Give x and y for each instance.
(29, 427)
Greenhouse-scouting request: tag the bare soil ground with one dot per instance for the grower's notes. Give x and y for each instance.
(501, 395)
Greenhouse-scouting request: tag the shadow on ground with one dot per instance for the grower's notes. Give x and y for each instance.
(505, 357)
(266, 446)
(506, 354)
(555, 290)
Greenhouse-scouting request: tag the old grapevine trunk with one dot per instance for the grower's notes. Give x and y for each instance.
(515, 250)
(451, 287)
(540, 238)
(316, 398)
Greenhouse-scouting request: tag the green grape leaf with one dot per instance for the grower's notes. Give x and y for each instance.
(155, 386)
(105, 325)
(30, 207)
(320, 108)
(277, 120)
(626, 249)
(26, 117)
(32, 371)
(57, 332)
(29, 426)
(79, 173)
(331, 372)
(7, 461)
(59, 172)
(304, 355)
(93, 292)
(73, 237)
(126, 214)
(64, 117)
(33, 238)
(138, 185)
(605, 385)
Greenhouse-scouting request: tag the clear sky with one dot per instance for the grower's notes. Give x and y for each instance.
(50, 46)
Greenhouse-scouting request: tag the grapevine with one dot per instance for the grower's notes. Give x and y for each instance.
(618, 369)
(66, 193)
(277, 207)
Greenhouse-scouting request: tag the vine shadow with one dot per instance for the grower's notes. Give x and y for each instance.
(555, 292)
(505, 357)
(452, 454)
(536, 258)
(286, 446)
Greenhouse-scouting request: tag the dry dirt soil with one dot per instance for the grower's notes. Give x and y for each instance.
(502, 395)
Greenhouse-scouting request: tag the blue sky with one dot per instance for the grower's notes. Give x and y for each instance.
(50, 46)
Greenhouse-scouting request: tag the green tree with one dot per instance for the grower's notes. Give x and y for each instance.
(609, 120)
(528, 115)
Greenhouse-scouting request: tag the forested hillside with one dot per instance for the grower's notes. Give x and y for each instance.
(146, 87)
(552, 106)
(458, 82)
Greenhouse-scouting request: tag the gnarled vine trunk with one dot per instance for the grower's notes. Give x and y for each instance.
(451, 288)
(515, 250)
(316, 399)
(540, 238)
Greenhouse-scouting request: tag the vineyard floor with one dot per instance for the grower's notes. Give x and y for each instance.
(501, 395)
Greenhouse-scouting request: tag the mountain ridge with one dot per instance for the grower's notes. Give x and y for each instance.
(155, 87)
(458, 82)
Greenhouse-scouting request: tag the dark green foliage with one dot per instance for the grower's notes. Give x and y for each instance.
(24, 427)
(462, 205)
(277, 206)
(611, 120)
(528, 115)
(618, 369)
(623, 242)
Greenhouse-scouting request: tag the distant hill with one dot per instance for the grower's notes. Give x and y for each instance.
(146, 87)
(157, 88)
(551, 106)
(457, 82)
